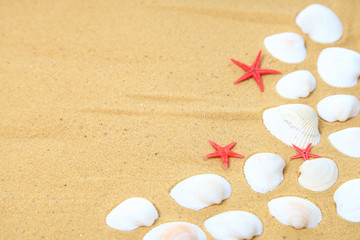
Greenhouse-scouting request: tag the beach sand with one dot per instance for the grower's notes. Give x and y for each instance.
(101, 101)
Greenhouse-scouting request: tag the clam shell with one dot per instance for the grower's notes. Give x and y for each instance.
(347, 199)
(296, 212)
(293, 124)
(339, 67)
(176, 231)
(321, 23)
(131, 214)
(296, 84)
(201, 191)
(347, 141)
(287, 47)
(264, 171)
(339, 107)
(318, 174)
(234, 225)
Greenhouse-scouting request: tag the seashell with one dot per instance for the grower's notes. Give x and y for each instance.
(264, 171)
(339, 107)
(287, 47)
(296, 84)
(293, 124)
(201, 191)
(131, 214)
(234, 225)
(347, 141)
(347, 199)
(296, 212)
(176, 231)
(318, 174)
(321, 23)
(339, 67)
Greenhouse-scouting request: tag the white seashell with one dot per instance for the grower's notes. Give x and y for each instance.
(287, 47)
(339, 107)
(131, 214)
(296, 84)
(293, 124)
(296, 212)
(339, 67)
(318, 174)
(347, 199)
(201, 191)
(321, 23)
(264, 171)
(347, 141)
(176, 231)
(234, 225)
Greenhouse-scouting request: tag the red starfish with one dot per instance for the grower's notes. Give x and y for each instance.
(254, 71)
(304, 153)
(223, 152)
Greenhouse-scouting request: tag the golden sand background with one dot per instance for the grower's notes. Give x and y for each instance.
(101, 101)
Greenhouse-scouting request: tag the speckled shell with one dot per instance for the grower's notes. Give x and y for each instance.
(296, 84)
(347, 141)
(201, 191)
(131, 214)
(321, 23)
(347, 199)
(287, 47)
(296, 212)
(234, 225)
(293, 124)
(318, 174)
(264, 171)
(176, 231)
(339, 67)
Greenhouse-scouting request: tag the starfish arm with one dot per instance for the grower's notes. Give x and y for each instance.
(225, 160)
(314, 155)
(242, 65)
(230, 146)
(244, 77)
(256, 64)
(212, 155)
(297, 148)
(235, 155)
(267, 71)
(296, 156)
(258, 79)
(214, 145)
(308, 147)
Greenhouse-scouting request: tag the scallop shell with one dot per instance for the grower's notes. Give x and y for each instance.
(347, 141)
(339, 67)
(234, 225)
(293, 124)
(347, 199)
(201, 191)
(131, 214)
(264, 171)
(321, 23)
(339, 107)
(287, 47)
(318, 174)
(176, 231)
(296, 84)
(296, 212)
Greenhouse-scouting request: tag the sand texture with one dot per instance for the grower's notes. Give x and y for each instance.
(101, 101)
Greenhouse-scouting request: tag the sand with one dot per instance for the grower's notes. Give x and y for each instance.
(106, 100)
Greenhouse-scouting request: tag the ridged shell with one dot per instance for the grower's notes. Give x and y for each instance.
(321, 23)
(339, 67)
(293, 124)
(176, 231)
(131, 214)
(234, 225)
(338, 107)
(296, 212)
(318, 174)
(296, 84)
(201, 191)
(287, 47)
(347, 199)
(264, 171)
(347, 141)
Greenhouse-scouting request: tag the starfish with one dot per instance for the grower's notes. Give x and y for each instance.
(254, 71)
(304, 153)
(223, 152)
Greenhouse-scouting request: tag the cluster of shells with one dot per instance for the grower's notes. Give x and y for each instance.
(292, 124)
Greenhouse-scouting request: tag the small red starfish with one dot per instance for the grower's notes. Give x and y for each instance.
(304, 153)
(223, 152)
(254, 71)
